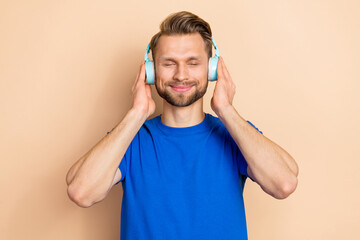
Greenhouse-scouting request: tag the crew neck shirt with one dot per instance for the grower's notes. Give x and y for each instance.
(183, 183)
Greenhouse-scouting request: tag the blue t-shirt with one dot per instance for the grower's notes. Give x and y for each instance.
(183, 183)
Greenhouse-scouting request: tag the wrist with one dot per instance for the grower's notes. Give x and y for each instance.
(137, 115)
(225, 111)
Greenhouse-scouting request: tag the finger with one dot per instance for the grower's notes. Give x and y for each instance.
(137, 76)
(141, 72)
(220, 69)
(138, 73)
(226, 72)
(140, 77)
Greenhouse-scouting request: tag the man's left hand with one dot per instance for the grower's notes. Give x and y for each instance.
(224, 89)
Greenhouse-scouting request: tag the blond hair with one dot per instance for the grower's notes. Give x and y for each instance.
(183, 23)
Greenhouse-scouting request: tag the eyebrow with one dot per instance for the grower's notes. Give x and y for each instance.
(165, 58)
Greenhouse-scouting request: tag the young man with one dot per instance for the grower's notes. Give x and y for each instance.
(182, 172)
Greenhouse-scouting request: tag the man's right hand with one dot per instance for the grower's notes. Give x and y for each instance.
(93, 175)
(142, 100)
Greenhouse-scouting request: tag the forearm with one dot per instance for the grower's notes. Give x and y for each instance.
(91, 177)
(273, 168)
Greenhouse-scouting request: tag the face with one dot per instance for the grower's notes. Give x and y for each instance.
(181, 67)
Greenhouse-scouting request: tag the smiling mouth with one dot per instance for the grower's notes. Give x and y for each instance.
(181, 88)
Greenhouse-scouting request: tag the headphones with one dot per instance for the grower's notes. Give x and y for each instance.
(150, 68)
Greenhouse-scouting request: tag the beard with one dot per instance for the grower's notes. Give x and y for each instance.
(181, 99)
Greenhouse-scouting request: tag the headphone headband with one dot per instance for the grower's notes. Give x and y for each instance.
(215, 46)
(147, 52)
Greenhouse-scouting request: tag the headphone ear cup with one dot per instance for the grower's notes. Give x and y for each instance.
(149, 72)
(212, 73)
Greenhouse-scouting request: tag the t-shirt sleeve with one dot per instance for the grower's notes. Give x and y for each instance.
(254, 127)
(123, 163)
(241, 161)
(123, 167)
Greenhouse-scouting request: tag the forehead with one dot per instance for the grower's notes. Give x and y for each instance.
(180, 46)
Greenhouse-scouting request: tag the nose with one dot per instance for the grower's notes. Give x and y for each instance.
(181, 73)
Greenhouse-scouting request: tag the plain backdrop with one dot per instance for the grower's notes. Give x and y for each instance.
(66, 70)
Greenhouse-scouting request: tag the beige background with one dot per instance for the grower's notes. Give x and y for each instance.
(66, 69)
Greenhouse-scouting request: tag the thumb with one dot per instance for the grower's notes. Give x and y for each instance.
(148, 90)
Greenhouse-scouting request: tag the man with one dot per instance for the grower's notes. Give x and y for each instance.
(182, 172)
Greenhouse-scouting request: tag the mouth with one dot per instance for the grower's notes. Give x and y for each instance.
(181, 88)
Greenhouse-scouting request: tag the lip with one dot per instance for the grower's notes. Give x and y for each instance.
(181, 88)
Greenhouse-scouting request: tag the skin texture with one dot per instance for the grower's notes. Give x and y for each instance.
(181, 61)
(269, 165)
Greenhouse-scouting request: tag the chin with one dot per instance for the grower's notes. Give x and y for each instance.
(181, 99)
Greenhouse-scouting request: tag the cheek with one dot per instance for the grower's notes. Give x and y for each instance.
(199, 73)
(164, 73)
(162, 77)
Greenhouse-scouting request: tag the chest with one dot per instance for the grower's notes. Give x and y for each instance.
(184, 163)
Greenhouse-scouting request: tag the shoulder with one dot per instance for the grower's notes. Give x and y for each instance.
(150, 125)
(212, 120)
(152, 121)
(216, 123)
(218, 128)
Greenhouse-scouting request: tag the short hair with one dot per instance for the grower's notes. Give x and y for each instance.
(183, 23)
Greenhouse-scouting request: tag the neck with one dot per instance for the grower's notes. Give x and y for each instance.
(183, 116)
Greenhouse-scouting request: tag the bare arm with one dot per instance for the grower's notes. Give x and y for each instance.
(268, 164)
(92, 176)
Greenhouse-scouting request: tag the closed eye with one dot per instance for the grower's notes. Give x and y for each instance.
(168, 64)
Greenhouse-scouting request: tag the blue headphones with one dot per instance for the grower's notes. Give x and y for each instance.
(150, 69)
